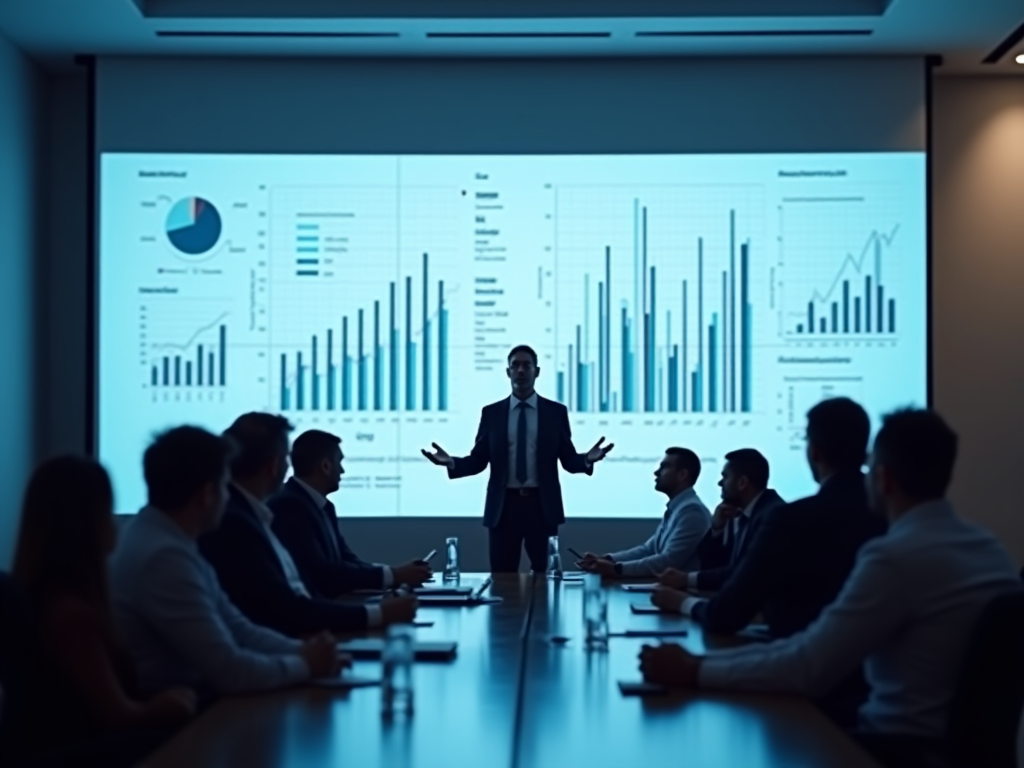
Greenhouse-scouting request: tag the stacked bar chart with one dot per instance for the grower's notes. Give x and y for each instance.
(691, 356)
(378, 358)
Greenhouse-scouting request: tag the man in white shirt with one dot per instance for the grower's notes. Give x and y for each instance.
(306, 523)
(255, 569)
(674, 543)
(907, 611)
(177, 622)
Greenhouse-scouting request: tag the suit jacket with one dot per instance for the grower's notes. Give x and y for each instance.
(323, 557)
(719, 554)
(250, 572)
(674, 542)
(798, 561)
(554, 444)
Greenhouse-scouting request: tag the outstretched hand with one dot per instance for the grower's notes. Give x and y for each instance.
(598, 452)
(439, 456)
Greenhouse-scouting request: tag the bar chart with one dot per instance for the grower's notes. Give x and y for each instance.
(674, 336)
(200, 362)
(381, 357)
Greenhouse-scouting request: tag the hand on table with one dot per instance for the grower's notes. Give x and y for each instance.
(596, 453)
(669, 664)
(398, 610)
(668, 599)
(414, 573)
(674, 578)
(439, 456)
(322, 656)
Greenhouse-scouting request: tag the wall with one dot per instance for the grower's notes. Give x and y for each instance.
(19, 195)
(978, 292)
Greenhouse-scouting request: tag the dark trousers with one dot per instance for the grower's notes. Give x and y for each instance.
(521, 523)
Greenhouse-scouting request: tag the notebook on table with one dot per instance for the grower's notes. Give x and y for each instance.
(369, 648)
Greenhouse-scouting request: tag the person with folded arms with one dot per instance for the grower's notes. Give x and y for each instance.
(306, 523)
(254, 567)
(674, 543)
(906, 613)
(746, 501)
(180, 626)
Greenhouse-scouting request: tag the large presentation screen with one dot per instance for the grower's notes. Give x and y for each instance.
(705, 301)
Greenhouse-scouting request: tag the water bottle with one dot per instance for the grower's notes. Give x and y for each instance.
(554, 558)
(396, 679)
(451, 564)
(595, 612)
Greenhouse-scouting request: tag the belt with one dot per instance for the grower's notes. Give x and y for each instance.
(522, 491)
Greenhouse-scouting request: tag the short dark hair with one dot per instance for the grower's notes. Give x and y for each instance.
(686, 459)
(522, 348)
(751, 464)
(310, 448)
(259, 437)
(918, 449)
(180, 462)
(840, 429)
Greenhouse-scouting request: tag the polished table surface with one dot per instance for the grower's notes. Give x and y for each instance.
(513, 697)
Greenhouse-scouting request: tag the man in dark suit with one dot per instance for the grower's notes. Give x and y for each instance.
(252, 565)
(522, 438)
(306, 523)
(746, 501)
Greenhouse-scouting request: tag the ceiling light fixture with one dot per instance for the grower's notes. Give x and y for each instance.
(1020, 58)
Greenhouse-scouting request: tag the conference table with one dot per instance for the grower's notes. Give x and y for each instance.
(522, 691)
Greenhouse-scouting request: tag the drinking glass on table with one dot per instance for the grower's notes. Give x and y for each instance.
(396, 680)
(554, 558)
(595, 612)
(451, 564)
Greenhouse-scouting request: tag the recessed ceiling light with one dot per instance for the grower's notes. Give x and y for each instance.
(1020, 58)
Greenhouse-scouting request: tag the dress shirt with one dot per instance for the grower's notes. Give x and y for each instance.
(321, 501)
(674, 542)
(908, 612)
(266, 517)
(180, 626)
(531, 440)
(734, 528)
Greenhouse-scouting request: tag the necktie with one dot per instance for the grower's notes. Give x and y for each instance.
(740, 530)
(521, 444)
(331, 519)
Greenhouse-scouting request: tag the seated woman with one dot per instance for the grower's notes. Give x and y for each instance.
(82, 679)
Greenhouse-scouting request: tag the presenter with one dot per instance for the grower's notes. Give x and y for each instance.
(522, 437)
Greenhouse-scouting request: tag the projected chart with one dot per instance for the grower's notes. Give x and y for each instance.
(699, 300)
(193, 226)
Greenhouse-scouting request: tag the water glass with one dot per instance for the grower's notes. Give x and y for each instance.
(554, 558)
(595, 612)
(396, 678)
(451, 563)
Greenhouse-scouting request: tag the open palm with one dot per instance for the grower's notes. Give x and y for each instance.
(439, 456)
(599, 451)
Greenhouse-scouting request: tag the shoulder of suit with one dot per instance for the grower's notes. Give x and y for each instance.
(548, 403)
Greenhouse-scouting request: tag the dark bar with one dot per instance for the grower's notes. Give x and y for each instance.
(846, 306)
(223, 354)
(300, 388)
(579, 373)
(686, 342)
(867, 304)
(330, 370)
(199, 365)
(673, 379)
(393, 361)
(361, 363)
(600, 345)
(694, 387)
(608, 327)
(698, 392)
(426, 340)
(651, 342)
(725, 343)
(346, 370)
(626, 371)
(188, 373)
(442, 349)
(824, 326)
(284, 382)
(572, 392)
(167, 372)
(881, 308)
(209, 378)
(410, 362)
(647, 361)
(712, 381)
(856, 314)
(746, 331)
(378, 361)
(177, 370)
(810, 317)
(892, 315)
(314, 378)
(835, 317)
(799, 327)
(155, 377)
(732, 310)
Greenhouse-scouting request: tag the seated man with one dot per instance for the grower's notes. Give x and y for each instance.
(254, 568)
(803, 551)
(674, 542)
(305, 522)
(176, 621)
(746, 501)
(906, 613)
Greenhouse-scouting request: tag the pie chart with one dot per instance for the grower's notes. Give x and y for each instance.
(194, 226)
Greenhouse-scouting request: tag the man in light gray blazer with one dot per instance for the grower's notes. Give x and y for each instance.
(907, 611)
(674, 542)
